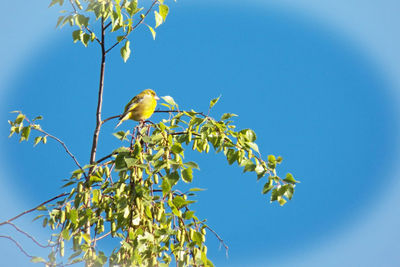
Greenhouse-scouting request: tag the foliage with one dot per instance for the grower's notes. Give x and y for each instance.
(131, 195)
(122, 17)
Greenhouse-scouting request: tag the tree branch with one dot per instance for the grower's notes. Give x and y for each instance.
(100, 96)
(17, 244)
(63, 145)
(28, 235)
(33, 209)
(37, 128)
(110, 118)
(220, 239)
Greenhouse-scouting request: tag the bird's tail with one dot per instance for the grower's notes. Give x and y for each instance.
(119, 123)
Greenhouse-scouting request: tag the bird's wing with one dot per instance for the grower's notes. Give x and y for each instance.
(132, 104)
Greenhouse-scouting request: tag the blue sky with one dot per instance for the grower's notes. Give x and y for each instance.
(316, 81)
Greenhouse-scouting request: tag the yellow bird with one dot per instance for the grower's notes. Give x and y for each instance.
(141, 107)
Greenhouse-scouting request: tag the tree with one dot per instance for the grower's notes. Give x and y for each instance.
(131, 194)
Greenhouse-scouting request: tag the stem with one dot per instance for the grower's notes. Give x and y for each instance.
(99, 122)
(29, 236)
(100, 96)
(17, 244)
(35, 208)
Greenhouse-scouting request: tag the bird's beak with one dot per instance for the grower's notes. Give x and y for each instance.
(156, 98)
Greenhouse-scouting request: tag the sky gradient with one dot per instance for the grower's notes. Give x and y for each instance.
(318, 89)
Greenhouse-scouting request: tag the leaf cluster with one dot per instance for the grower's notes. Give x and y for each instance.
(132, 194)
(119, 17)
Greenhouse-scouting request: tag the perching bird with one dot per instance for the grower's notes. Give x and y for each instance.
(141, 107)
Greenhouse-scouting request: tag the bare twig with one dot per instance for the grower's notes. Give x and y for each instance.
(219, 238)
(110, 118)
(64, 146)
(17, 244)
(33, 209)
(101, 237)
(105, 157)
(28, 235)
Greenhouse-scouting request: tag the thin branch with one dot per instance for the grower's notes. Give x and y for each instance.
(17, 244)
(29, 236)
(101, 237)
(219, 238)
(64, 146)
(37, 128)
(33, 209)
(105, 157)
(100, 96)
(133, 27)
(110, 118)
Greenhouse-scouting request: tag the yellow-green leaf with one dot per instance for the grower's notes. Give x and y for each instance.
(163, 10)
(153, 32)
(158, 18)
(126, 51)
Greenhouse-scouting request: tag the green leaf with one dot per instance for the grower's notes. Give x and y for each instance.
(268, 186)
(249, 134)
(165, 186)
(197, 237)
(196, 189)
(187, 175)
(231, 156)
(289, 192)
(95, 178)
(85, 39)
(227, 116)
(73, 216)
(37, 259)
(81, 20)
(96, 196)
(132, 8)
(179, 202)
(77, 35)
(173, 178)
(19, 118)
(65, 234)
(126, 51)
(53, 2)
(214, 101)
(249, 165)
(158, 18)
(153, 32)
(176, 148)
(253, 146)
(290, 179)
(25, 133)
(281, 200)
(59, 20)
(192, 165)
(169, 100)
(260, 171)
(163, 10)
(41, 208)
(188, 215)
(37, 140)
(121, 135)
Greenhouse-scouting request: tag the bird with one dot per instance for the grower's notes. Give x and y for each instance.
(140, 108)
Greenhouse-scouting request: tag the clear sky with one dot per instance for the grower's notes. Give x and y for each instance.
(317, 82)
